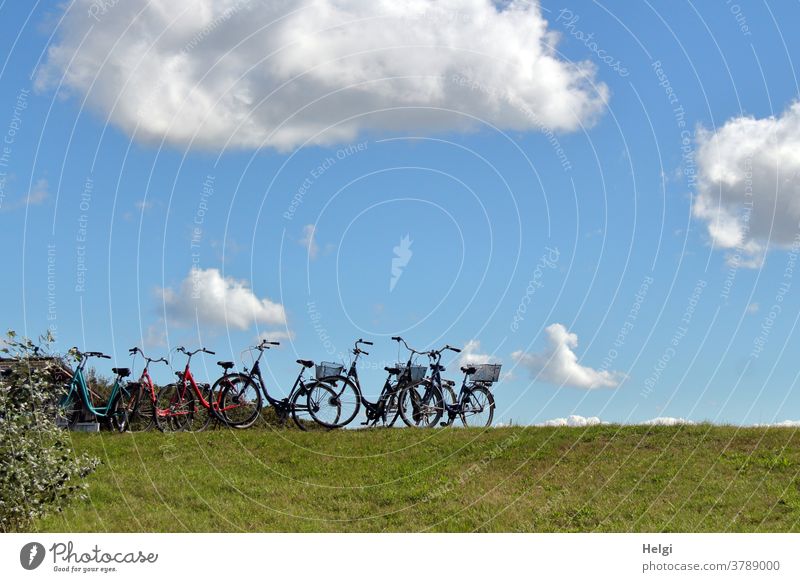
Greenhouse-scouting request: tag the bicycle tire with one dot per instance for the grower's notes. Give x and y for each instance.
(421, 405)
(451, 398)
(141, 419)
(203, 415)
(390, 408)
(477, 399)
(174, 408)
(348, 398)
(233, 408)
(302, 414)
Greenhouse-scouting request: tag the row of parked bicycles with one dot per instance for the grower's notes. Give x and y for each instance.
(330, 398)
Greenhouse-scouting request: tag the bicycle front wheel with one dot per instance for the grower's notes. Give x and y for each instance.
(301, 407)
(238, 400)
(174, 408)
(477, 407)
(337, 395)
(421, 405)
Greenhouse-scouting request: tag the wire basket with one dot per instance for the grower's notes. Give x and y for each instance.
(486, 373)
(328, 370)
(417, 372)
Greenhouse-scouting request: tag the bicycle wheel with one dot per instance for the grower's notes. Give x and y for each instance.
(346, 399)
(421, 405)
(203, 416)
(477, 407)
(174, 408)
(137, 407)
(316, 400)
(117, 415)
(450, 399)
(238, 400)
(140, 418)
(389, 405)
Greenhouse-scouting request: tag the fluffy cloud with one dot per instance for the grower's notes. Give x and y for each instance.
(253, 73)
(666, 421)
(470, 354)
(748, 185)
(558, 364)
(573, 420)
(206, 297)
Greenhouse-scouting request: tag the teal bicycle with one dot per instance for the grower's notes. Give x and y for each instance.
(77, 398)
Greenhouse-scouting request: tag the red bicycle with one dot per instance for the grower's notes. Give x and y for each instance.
(142, 400)
(187, 405)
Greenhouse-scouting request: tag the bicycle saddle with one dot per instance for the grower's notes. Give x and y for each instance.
(468, 369)
(392, 370)
(306, 363)
(225, 365)
(438, 367)
(124, 372)
(448, 382)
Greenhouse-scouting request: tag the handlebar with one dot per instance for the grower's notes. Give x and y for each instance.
(89, 354)
(193, 352)
(136, 350)
(264, 345)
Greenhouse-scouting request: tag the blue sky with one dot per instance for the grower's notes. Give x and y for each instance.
(608, 264)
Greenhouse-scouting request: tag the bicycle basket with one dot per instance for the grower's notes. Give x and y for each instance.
(328, 369)
(417, 372)
(486, 373)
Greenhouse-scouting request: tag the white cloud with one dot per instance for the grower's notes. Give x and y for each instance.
(277, 335)
(558, 364)
(781, 424)
(205, 296)
(470, 354)
(39, 193)
(666, 421)
(253, 73)
(573, 420)
(748, 187)
(309, 241)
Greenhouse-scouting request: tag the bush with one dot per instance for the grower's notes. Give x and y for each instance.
(39, 473)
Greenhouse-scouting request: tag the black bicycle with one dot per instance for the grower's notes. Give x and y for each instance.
(422, 404)
(248, 386)
(474, 403)
(349, 397)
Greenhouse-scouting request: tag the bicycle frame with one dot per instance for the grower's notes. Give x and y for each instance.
(78, 385)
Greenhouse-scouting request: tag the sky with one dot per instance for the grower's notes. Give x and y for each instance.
(604, 198)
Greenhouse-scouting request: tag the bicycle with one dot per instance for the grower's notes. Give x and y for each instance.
(426, 400)
(178, 404)
(78, 396)
(250, 385)
(349, 396)
(475, 402)
(142, 401)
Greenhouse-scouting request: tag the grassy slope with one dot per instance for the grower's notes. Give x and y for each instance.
(607, 478)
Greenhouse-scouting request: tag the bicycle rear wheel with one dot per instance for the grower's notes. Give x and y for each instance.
(137, 406)
(477, 407)
(174, 408)
(389, 405)
(335, 394)
(239, 401)
(421, 405)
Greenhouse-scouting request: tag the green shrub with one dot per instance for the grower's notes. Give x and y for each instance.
(39, 473)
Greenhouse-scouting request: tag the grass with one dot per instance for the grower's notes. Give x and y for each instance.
(603, 478)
